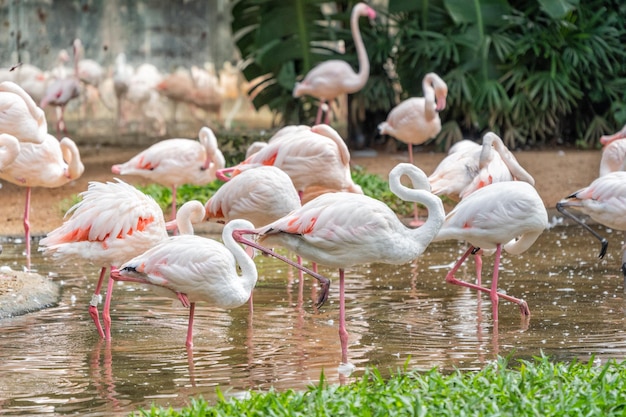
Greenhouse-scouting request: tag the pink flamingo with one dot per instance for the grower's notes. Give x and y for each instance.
(505, 214)
(260, 195)
(315, 156)
(174, 162)
(110, 225)
(416, 120)
(60, 91)
(603, 201)
(470, 166)
(194, 269)
(613, 153)
(57, 162)
(19, 115)
(343, 229)
(330, 79)
(9, 149)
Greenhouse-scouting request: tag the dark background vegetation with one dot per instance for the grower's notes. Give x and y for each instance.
(537, 72)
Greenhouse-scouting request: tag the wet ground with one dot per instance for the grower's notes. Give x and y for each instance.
(53, 362)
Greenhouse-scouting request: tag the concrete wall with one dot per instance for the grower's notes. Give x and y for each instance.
(165, 33)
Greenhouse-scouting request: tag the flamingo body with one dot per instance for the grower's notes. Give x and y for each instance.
(260, 195)
(613, 156)
(330, 79)
(19, 115)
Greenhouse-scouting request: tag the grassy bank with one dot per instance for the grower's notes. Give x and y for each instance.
(525, 388)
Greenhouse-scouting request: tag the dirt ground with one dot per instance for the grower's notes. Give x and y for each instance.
(556, 172)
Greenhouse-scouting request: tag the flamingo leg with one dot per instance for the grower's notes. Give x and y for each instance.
(189, 342)
(450, 278)
(93, 304)
(343, 332)
(106, 311)
(27, 227)
(416, 222)
(318, 118)
(494, 284)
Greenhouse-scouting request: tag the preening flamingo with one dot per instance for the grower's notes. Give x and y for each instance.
(416, 120)
(174, 162)
(260, 195)
(61, 90)
(604, 200)
(112, 223)
(330, 79)
(20, 116)
(57, 163)
(344, 229)
(315, 156)
(470, 166)
(505, 214)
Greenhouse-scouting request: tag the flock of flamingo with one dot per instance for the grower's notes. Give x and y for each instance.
(279, 196)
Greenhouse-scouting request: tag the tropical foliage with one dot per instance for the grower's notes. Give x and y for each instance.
(534, 71)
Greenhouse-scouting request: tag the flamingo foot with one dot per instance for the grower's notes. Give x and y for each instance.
(523, 306)
(93, 312)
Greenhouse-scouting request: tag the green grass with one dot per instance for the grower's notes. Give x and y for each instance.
(538, 387)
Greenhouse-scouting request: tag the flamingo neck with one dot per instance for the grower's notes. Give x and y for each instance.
(361, 53)
(69, 150)
(491, 140)
(249, 274)
(420, 193)
(9, 149)
(430, 107)
(190, 213)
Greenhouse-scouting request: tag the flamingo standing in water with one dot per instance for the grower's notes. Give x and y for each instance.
(20, 116)
(311, 156)
(604, 200)
(330, 79)
(112, 223)
(504, 214)
(174, 162)
(344, 229)
(60, 91)
(416, 120)
(57, 163)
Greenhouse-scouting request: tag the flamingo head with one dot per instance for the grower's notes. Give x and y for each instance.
(606, 139)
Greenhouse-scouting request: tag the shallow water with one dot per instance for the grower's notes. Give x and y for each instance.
(53, 363)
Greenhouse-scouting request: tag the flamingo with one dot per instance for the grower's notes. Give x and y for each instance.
(613, 153)
(470, 166)
(174, 162)
(330, 79)
(344, 229)
(260, 195)
(604, 201)
(505, 214)
(112, 223)
(20, 116)
(57, 163)
(60, 91)
(309, 155)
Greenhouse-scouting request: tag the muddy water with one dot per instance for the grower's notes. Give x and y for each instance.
(53, 363)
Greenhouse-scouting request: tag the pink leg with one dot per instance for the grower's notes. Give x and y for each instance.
(189, 342)
(478, 260)
(343, 332)
(318, 118)
(494, 284)
(452, 280)
(27, 227)
(106, 311)
(416, 222)
(95, 300)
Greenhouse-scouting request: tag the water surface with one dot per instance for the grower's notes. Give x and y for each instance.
(53, 363)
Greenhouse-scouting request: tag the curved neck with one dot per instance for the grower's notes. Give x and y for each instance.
(249, 274)
(491, 140)
(71, 155)
(361, 53)
(214, 159)
(9, 149)
(430, 107)
(35, 111)
(420, 193)
(192, 212)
